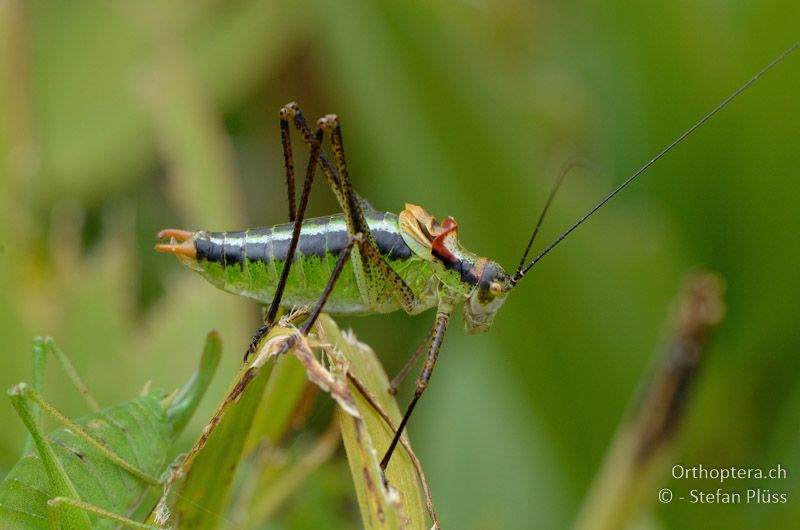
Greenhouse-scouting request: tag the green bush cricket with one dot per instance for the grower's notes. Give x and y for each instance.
(95, 471)
(363, 261)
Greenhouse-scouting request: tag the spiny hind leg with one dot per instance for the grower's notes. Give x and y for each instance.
(434, 339)
(295, 216)
(328, 168)
(351, 208)
(373, 268)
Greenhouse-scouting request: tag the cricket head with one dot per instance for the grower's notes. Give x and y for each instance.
(482, 283)
(487, 298)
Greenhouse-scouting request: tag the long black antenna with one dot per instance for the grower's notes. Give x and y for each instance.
(556, 185)
(666, 150)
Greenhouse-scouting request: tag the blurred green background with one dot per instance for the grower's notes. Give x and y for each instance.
(122, 118)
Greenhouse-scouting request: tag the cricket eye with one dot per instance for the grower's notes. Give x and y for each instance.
(495, 288)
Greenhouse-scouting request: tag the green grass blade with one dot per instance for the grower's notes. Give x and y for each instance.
(199, 500)
(366, 438)
(185, 403)
(276, 483)
(208, 471)
(283, 394)
(645, 444)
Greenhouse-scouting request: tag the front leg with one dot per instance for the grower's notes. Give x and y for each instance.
(443, 314)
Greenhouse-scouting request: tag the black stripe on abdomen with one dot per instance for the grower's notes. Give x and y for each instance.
(465, 268)
(227, 253)
(391, 245)
(331, 239)
(258, 246)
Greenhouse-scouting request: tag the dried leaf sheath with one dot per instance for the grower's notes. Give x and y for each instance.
(208, 471)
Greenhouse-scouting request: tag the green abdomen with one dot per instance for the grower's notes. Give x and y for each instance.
(249, 263)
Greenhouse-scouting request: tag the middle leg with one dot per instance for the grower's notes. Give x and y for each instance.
(394, 386)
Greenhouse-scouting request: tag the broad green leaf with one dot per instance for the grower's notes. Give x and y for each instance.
(98, 469)
(201, 495)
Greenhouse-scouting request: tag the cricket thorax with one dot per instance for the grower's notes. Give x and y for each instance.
(459, 269)
(481, 283)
